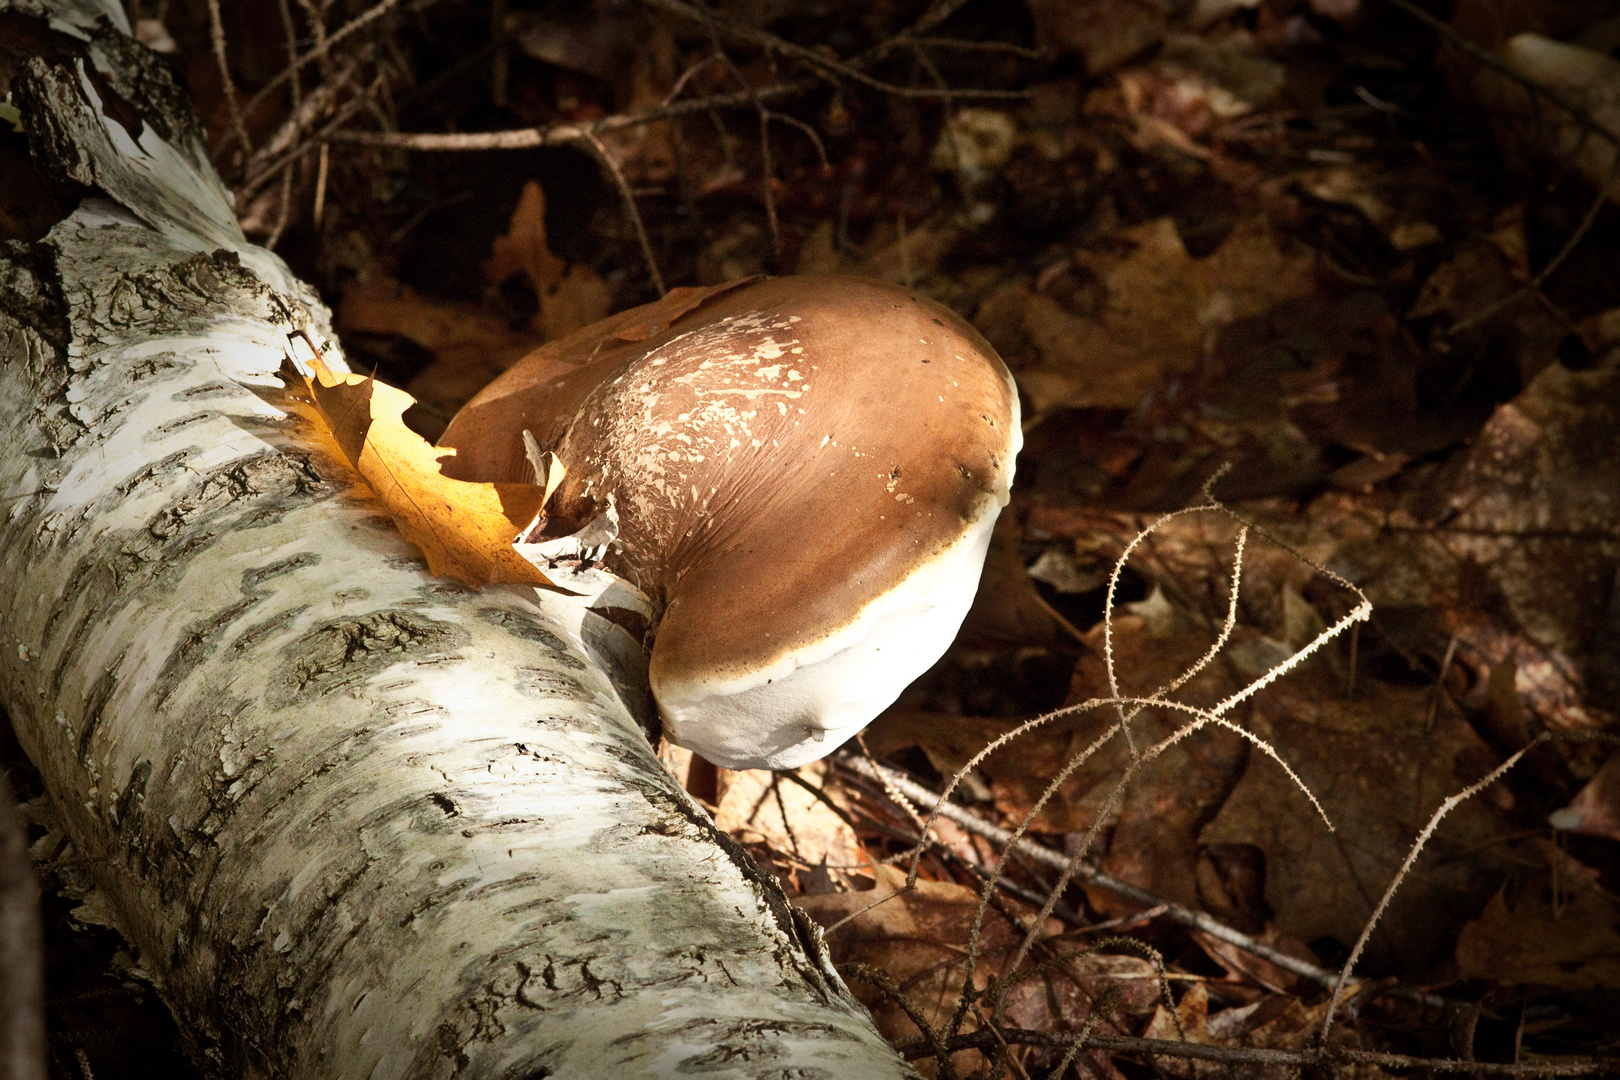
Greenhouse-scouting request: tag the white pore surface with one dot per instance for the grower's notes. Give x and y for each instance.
(834, 687)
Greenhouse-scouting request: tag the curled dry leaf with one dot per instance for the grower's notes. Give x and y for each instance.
(465, 530)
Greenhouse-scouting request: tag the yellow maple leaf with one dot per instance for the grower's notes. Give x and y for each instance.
(464, 529)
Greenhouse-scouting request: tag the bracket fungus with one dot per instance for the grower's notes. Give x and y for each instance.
(802, 474)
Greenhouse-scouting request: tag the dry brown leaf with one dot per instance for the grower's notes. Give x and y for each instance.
(1379, 763)
(570, 296)
(756, 806)
(1553, 929)
(465, 530)
(919, 938)
(1160, 307)
(471, 346)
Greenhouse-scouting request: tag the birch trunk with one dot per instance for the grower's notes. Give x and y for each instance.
(358, 822)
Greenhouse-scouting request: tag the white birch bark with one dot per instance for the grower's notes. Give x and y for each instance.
(357, 821)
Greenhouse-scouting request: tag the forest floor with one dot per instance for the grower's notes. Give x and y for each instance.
(1325, 246)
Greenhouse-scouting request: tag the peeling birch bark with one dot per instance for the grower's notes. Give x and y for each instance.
(357, 821)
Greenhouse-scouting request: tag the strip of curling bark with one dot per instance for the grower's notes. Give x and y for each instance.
(358, 822)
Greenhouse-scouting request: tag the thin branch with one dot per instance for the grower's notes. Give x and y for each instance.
(216, 31)
(290, 29)
(1580, 115)
(321, 49)
(1198, 920)
(320, 138)
(555, 134)
(629, 199)
(1535, 283)
(1247, 1055)
(767, 169)
(283, 212)
(303, 117)
(811, 58)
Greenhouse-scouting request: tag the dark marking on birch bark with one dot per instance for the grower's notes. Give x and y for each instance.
(158, 470)
(126, 809)
(540, 683)
(145, 80)
(95, 700)
(196, 646)
(347, 651)
(516, 625)
(257, 576)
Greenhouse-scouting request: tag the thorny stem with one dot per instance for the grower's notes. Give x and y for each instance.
(1400, 875)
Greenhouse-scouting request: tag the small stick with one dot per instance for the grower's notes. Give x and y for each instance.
(320, 185)
(283, 212)
(628, 197)
(216, 30)
(810, 57)
(1186, 916)
(325, 46)
(1440, 685)
(1535, 283)
(291, 30)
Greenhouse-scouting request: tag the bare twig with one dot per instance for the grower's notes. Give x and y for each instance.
(283, 212)
(320, 185)
(1440, 684)
(303, 117)
(628, 197)
(767, 168)
(216, 31)
(1578, 114)
(1198, 920)
(973, 823)
(810, 57)
(323, 47)
(556, 134)
(291, 30)
(1247, 1055)
(1534, 284)
(321, 138)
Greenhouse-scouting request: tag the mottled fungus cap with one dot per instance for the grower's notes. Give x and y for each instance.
(806, 472)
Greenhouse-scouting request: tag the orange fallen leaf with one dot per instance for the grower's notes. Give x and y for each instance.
(464, 529)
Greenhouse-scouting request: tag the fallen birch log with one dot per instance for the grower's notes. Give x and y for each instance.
(357, 821)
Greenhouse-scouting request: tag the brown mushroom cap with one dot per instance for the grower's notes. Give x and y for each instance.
(781, 457)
